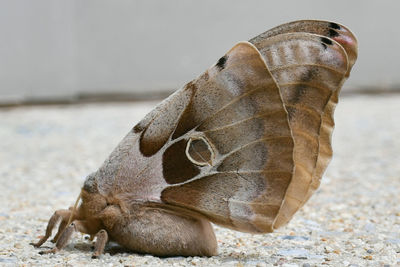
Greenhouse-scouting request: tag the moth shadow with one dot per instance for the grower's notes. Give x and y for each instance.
(88, 247)
(114, 249)
(81, 246)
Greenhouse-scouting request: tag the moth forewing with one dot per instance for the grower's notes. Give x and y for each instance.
(252, 139)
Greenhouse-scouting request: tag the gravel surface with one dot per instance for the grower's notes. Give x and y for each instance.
(353, 220)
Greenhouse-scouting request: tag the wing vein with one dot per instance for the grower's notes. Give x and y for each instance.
(260, 115)
(307, 64)
(236, 99)
(309, 85)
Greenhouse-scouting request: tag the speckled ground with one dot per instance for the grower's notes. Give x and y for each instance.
(353, 220)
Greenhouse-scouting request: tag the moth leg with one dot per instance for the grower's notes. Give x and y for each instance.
(66, 235)
(63, 224)
(101, 241)
(61, 228)
(54, 219)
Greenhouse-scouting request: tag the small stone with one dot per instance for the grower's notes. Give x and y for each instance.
(369, 257)
(306, 265)
(294, 252)
(280, 262)
(294, 237)
(300, 257)
(370, 227)
(370, 251)
(328, 249)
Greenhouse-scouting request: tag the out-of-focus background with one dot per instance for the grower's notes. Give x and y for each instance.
(64, 50)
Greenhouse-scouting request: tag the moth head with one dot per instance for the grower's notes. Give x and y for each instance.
(90, 184)
(92, 201)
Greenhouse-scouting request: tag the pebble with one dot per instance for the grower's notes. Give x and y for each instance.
(293, 252)
(17, 245)
(293, 237)
(352, 219)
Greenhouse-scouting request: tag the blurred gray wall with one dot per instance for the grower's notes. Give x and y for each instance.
(52, 48)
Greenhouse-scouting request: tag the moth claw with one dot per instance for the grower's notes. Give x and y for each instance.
(53, 250)
(36, 245)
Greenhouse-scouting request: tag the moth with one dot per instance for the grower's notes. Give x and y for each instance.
(243, 146)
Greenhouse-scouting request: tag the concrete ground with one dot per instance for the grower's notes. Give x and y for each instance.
(352, 220)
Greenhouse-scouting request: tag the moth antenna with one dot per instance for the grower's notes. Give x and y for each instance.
(74, 208)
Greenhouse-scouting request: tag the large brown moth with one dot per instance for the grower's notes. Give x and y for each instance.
(243, 146)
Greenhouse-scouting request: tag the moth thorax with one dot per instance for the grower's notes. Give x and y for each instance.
(199, 151)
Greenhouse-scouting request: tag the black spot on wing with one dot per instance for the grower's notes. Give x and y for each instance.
(333, 33)
(326, 41)
(138, 128)
(221, 62)
(334, 26)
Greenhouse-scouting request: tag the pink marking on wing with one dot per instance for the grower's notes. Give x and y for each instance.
(345, 40)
